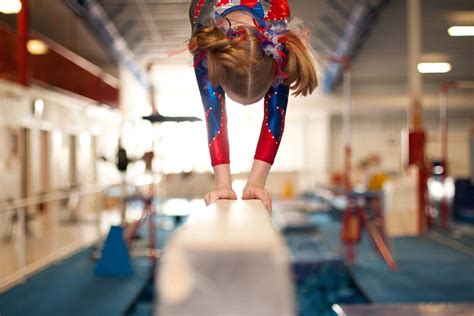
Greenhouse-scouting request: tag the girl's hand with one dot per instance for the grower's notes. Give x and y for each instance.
(255, 191)
(220, 192)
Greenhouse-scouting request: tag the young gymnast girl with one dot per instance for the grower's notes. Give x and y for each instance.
(244, 48)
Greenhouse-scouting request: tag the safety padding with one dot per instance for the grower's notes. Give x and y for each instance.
(115, 259)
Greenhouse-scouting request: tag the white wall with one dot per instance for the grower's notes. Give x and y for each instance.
(380, 133)
(133, 98)
(63, 116)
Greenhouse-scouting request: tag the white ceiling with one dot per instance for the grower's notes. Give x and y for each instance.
(383, 57)
(154, 28)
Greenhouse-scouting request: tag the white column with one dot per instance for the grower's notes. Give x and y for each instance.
(414, 37)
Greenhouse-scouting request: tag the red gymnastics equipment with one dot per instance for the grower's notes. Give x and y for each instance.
(358, 205)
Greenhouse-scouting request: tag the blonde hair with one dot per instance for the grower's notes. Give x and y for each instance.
(241, 67)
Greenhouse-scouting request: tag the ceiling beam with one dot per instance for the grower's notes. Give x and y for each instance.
(97, 19)
(361, 15)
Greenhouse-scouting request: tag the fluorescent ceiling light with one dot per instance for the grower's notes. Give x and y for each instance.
(10, 6)
(434, 68)
(37, 47)
(461, 31)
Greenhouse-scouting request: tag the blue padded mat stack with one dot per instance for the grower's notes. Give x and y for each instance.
(115, 260)
(463, 204)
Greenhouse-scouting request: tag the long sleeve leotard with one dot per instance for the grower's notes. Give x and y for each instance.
(213, 98)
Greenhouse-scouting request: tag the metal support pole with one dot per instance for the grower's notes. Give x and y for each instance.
(346, 114)
(415, 81)
(123, 204)
(347, 227)
(415, 85)
(443, 126)
(152, 226)
(345, 61)
(22, 39)
(347, 129)
(21, 216)
(151, 88)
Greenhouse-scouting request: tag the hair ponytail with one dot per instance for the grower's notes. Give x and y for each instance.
(240, 65)
(224, 55)
(301, 69)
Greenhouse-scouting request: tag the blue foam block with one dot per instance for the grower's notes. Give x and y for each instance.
(463, 204)
(115, 259)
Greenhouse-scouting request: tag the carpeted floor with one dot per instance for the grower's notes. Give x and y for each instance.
(429, 271)
(71, 288)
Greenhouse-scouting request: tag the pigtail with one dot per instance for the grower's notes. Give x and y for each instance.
(301, 69)
(224, 55)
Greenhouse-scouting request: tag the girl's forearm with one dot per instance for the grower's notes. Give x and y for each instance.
(259, 173)
(222, 175)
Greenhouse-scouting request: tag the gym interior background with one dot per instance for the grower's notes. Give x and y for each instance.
(104, 156)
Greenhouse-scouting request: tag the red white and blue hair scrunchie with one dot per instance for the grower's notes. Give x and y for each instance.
(271, 39)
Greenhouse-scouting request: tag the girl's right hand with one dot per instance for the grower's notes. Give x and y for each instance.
(220, 192)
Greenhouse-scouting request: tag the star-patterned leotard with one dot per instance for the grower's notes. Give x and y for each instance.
(266, 13)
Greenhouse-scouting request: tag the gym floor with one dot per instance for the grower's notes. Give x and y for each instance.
(429, 270)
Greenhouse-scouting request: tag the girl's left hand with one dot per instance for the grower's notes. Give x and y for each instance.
(254, 191)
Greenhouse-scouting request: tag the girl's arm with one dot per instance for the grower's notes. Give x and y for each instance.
(213, 100)
(273, 124)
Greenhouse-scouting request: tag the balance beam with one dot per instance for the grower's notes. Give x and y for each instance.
(226, 260)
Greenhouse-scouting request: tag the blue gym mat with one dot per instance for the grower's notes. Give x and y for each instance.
(70, 288)
(428, 271)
